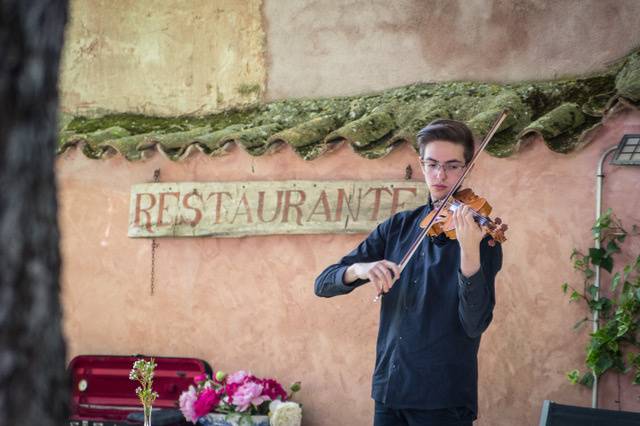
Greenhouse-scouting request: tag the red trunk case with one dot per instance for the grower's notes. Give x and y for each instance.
(103, 395)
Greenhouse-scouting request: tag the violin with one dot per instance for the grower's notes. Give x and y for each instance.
(480, 209)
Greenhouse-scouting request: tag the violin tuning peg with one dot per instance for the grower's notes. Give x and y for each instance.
(498, 221)
(504, 227)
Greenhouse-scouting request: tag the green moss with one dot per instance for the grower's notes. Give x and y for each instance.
(562, 119)
(137, 124)
(212, 141)
(414, 116)
(373, 123)
(628, 80)
(129, 146)
(310, 152)
(133, 123)
(378, 149)
(253, 139)
(568, 142)
(91, 141)
(502, 145)
(368, 130)
(248, 89)
(544, 96)
(176, 140)
(308, 133)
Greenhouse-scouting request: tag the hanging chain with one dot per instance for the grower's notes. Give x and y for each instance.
(154, 245)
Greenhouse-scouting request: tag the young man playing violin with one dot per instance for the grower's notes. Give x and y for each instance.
(433, 313)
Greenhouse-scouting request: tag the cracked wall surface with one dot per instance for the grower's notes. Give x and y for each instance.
(162, 58)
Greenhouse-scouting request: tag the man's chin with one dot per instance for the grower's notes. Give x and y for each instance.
(437, 195)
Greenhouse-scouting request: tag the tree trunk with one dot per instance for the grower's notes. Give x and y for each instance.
(33, 383)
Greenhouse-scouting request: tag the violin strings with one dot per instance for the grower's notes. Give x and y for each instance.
(483, 220)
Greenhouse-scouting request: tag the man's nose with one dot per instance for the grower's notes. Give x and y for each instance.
(441, 171)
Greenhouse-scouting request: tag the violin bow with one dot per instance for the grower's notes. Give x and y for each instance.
(414, 246)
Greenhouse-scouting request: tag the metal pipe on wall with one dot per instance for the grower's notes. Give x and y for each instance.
(599, 184)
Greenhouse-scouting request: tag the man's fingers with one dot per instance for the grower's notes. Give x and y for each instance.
(393, 268)
(387, 273)
(469, 220)
(380, 278)
(386, 276)
(383, 274)
(375, 279)
(457, 217)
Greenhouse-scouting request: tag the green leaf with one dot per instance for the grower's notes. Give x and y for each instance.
(588, 273)
(622, 330)
(587, 379)
(564, 287)
(603, 304)
(574, 296)
(573, 376)
(593, 291)
(596, 255)
(612, 248)
(607, 264)
(615, 281)
(574, 253)
(603, 363)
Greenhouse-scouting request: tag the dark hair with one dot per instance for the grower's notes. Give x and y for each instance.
(450, 131)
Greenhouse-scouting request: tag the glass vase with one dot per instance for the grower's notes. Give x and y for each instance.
(147, 415)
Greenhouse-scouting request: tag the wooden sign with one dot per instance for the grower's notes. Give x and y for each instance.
(225, 209)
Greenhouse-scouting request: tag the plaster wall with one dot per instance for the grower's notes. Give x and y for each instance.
(160, 57)
(337, 47)
(248, 303)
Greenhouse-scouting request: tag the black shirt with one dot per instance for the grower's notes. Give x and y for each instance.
(430, 321)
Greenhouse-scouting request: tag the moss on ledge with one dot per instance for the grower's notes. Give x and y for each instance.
(560, 111)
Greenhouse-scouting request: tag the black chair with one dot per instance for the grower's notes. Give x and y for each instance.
(568, 415)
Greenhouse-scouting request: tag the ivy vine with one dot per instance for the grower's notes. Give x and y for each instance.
(615, 346)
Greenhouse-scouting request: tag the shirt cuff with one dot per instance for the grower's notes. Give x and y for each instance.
(470, 281)
(340, 280)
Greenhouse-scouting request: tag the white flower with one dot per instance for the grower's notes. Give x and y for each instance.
(284, 413)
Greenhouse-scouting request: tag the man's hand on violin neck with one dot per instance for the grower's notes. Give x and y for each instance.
(382, 274)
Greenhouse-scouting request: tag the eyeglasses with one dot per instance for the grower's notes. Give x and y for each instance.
(434, 167)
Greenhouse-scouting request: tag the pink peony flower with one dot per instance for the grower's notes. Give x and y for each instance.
(248, 394)
(273, 390)
(187, 400)
(200, 378)
(231, 388)
(238, 377)
(206, 402)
